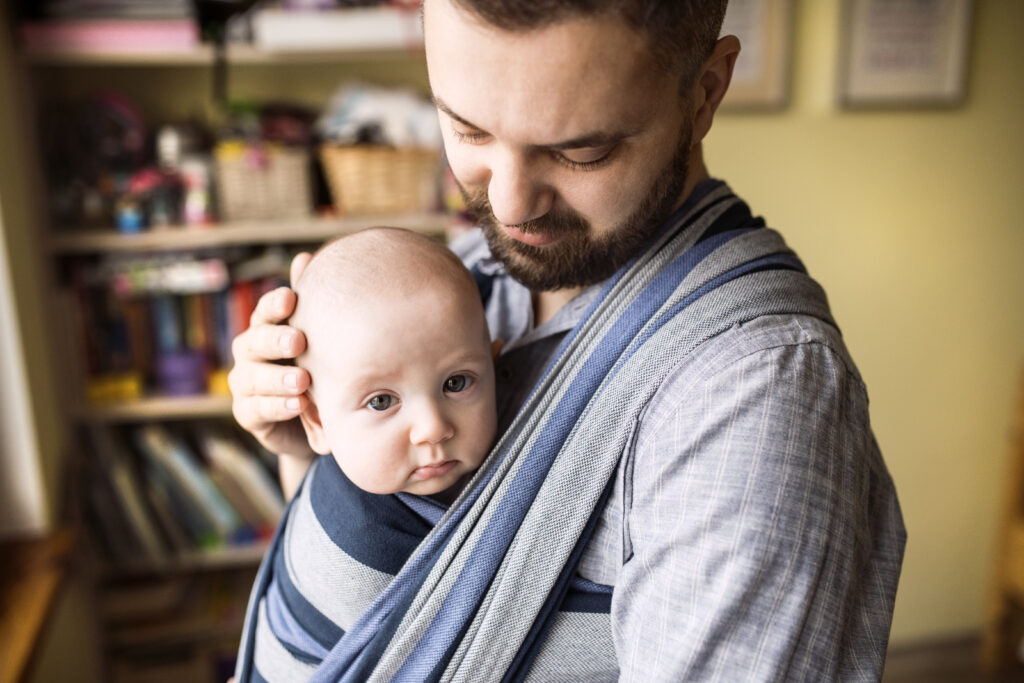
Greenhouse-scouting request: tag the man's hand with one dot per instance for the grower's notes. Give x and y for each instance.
(267, 397)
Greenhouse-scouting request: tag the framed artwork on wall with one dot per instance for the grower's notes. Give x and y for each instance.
(904, 52)
(761, 76)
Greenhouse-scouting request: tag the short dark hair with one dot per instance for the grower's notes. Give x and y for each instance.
(682, 32)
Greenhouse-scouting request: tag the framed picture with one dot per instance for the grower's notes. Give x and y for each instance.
(904, 52)
(761, 77)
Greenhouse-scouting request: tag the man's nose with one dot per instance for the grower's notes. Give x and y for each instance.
(430, 425)
(516, 192)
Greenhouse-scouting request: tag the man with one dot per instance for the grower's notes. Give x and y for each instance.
(748, 528)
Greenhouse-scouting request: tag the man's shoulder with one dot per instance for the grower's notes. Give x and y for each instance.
(790, 353)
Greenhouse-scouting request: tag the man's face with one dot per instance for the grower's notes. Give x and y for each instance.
(568, 142)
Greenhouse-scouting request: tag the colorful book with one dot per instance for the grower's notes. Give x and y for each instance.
(185, 472)
(228, 456)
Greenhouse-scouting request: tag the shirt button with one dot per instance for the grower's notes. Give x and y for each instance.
(505, 373)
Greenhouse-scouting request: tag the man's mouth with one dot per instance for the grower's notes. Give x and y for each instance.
(432, 471)
(534, 239)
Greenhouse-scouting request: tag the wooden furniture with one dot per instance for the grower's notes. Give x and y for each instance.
(30, 578)
(1003, 636)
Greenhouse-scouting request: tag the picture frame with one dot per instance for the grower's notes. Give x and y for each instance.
(761, 78)
(904, 53)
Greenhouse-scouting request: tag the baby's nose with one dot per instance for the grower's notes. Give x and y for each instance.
(431, 425)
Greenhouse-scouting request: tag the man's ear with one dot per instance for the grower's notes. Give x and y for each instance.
(315, 433)
(496, 347)
(712, 83)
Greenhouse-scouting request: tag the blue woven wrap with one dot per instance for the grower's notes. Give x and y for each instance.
(482, 596)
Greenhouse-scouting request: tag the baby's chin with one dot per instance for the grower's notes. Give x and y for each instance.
(445, 489)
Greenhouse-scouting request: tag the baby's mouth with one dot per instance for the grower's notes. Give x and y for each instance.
(432, 471)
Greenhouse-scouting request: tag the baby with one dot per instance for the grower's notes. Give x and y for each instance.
(402, 391)
(401, 402)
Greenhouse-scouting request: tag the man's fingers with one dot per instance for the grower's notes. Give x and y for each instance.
(266, 343)
(259, 412)
(267, 379)
(299, 264)
(273, 307)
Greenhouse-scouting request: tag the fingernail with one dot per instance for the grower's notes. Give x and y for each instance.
(291, 380)
(285, 342)
(292, 404)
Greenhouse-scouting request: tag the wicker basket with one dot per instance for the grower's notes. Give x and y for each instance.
(373, 179)
(262, 181)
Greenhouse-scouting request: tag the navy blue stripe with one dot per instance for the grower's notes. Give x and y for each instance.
(312, 620)
(585, 601)
(380, 531)
(484, 283)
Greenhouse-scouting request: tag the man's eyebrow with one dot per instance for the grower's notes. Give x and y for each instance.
(439, 103)
(598, 139)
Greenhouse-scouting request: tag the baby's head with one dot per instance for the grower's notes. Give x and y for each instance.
(397, 346)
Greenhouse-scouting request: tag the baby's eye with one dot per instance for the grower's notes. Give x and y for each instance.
(456, 383)
(381, 402)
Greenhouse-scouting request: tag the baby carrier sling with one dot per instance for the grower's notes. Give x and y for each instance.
(489, 593)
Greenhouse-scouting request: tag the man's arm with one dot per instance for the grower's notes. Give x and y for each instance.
(765, 534)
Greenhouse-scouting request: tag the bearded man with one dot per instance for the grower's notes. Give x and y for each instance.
(687, 487)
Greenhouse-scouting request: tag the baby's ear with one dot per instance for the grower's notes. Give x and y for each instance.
(496, 347)
(315, 433)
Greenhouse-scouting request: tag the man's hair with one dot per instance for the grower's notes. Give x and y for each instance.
(682, 32)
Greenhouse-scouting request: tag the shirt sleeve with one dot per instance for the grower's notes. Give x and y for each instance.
(764, 537)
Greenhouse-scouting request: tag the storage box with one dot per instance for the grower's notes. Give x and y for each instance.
(257, 181)
(378, 179)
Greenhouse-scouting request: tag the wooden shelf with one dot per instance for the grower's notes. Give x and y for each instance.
(290, 230)
(202, 56)
(31, 574)
(227, 557)
(156, 408)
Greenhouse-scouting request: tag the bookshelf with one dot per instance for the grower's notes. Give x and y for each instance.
(154, 408)
(203, 56)
(286, 231)
(187, 601)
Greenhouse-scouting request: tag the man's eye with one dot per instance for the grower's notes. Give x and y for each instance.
(588, 159)
(456, 383)
(587, 155)
(381, 402)
(471, 137)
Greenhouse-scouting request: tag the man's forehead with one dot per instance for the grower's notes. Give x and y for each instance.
(546, 86)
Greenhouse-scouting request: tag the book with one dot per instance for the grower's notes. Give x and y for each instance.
(115, 462)
(244, 468)
(180, 464)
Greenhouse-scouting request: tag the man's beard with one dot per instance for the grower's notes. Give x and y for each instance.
(577, 260)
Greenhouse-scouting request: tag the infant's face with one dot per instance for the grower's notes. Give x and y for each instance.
(407, 400)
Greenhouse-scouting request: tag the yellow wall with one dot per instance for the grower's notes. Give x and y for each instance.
(913, 222)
